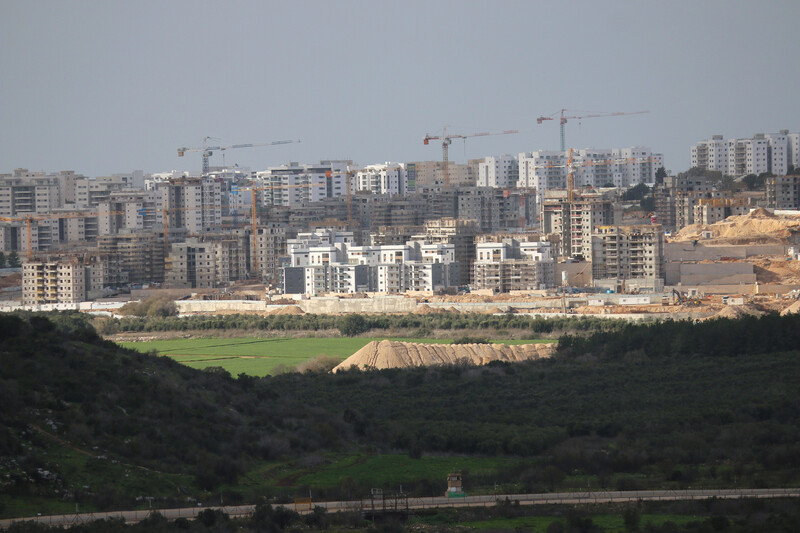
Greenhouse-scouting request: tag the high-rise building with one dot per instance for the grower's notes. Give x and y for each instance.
(592, 167)
(775, 153)
(501, 172)
(574, 222)
(628, 252)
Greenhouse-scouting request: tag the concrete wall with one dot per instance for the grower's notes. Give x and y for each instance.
(383, 304)
(211, 306)
(719, 273)
(684, 251)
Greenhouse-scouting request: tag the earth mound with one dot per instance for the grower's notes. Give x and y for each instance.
(758, 226)
(288, 310)
(792, 309)
(395, 354)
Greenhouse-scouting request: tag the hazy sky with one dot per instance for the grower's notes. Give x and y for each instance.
(110, 86)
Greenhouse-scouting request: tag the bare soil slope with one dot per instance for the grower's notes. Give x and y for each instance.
(394, 354)
(757, 227)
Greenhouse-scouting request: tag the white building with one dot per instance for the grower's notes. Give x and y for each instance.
(513, 265)
(774, 152)
(293, 184)
(499, 172)
(326, 261)
(592, 167)
(388, 178)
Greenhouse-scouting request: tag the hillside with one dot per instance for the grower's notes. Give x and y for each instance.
(757, 227)
(657, 402)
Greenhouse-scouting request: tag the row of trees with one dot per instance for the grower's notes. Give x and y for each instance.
(355, 324)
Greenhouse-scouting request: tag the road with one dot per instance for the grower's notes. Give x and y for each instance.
(569, 498)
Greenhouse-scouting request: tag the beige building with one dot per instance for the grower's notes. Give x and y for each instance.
(574, 222)
(53, 282)
(628, 252)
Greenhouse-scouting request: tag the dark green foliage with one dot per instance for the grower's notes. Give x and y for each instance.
(12, 260)
(646, 405)
(157, 307)
(353, 324)
(466, 339)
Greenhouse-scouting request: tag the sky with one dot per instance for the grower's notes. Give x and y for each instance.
(106, 86)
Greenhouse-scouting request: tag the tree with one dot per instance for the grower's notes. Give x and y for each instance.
(661, 173)
(632, 518)
(352, 325)
(2, 260)
(13, 260)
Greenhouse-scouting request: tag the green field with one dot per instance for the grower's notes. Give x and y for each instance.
(260, 357)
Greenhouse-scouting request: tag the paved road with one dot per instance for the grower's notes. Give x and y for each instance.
(426, 503)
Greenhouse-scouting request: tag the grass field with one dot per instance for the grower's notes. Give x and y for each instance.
(260, 357)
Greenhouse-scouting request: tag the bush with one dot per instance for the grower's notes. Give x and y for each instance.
(352, 324)
(471, 340)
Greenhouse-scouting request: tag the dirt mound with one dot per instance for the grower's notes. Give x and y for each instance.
(737, 311)
(288, 310)
(758, 226)
(394, 354)
(425, 309)
(792, 309)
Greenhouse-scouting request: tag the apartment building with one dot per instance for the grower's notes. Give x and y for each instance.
(193, 205)
(131, 258)
(50, 282)
(294, 184)
(497, 209)
(628, 252)
(387, 178)
(25, 193)
(328, 261)
(458, 232)
(271, 242)
(711, 210)
(131, 211)
(513, 265)
(574, 222)
(775, 153)
(499, 172)
(783, 192)
(214, 261)
(620, 167)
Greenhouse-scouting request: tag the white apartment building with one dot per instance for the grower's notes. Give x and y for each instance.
(513, 265)
(293, 184)
(499, 172)
(774, 152)
(327, 261)
(592, 167)
(388, 178)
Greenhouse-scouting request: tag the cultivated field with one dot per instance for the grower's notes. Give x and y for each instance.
(260, 357)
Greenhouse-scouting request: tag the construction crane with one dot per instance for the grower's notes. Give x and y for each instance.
(28, 219)
(572, 166)
(208, 151)
(447, 139)
(563, 118)
(254, 212)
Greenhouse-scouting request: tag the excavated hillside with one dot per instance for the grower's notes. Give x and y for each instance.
(395, 354)
(757, 227)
